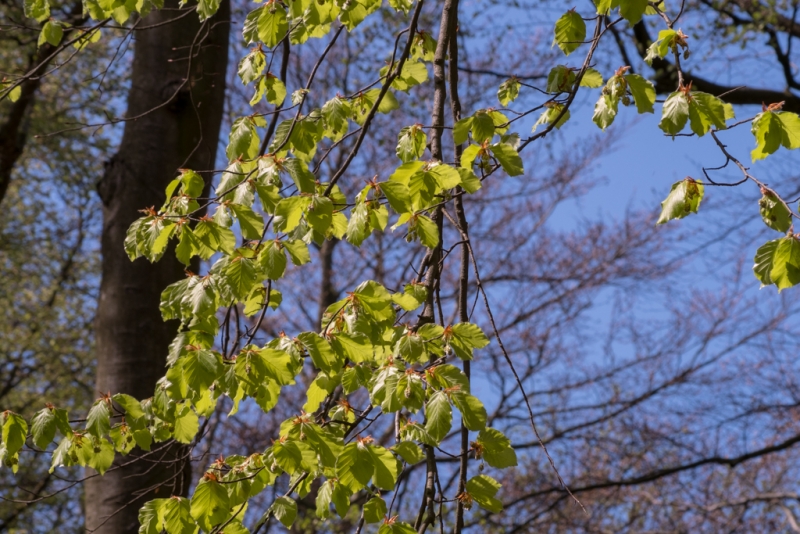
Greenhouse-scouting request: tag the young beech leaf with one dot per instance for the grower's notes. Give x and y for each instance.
(773, 129)
(483, 489)
(496, 448)
(15, 429)
(51, 33)
(285, 510)
(151, 517)
(674, 114)
(251, 66)
(778, 262)
(552, 113)
(560, 79)
(508, 91)
(702, 110)
(210, 503)
(683, 199)
(374, 510)
(43, 427)
(508, 157)
(411, 143)
(643, 91)
(397, 527)
(592, 78)
(605, 110)
(632, 10)
(570, 32)
(355, 466)
(473, 413)
(409, 452)
(98, 420)
(661, 46)
(439, 416)
(386, 471)
(774, 212)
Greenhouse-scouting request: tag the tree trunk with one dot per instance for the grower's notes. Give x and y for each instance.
(177, 125)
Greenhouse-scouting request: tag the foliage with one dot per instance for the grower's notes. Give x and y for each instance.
(362, 344)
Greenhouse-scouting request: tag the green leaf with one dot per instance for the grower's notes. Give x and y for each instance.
(151, 517)
(662, 46)
(274, 88)
(132, 407)
(37, 9)
(186, 424)
(632, 10)
(397, 195)
(778, 262)
(385, 475)
(15, 430)
(98, 421)
(243, 140)
(252, 225)
(508, 157)
(570, 32)
(643, 91)
(605, 110)
(241, 276)
(298, 251)
(774, 212)
(705, 111)
(288, 212)
(496, 448)
(102, 456)
(355, 466)
(215, 237)
(210, 503)
(201, 367)
(396, 528)
(272, 259)
(461, 130)
(508, 91)
(560, 79)
(301, 176)
(374, 510)
(482, 126)
(409, 451)
(320, 214)
(551, 114)
(439, 416)
(463, 338)
(427, 231)
(267, 23)
(683, 199)
(592, 79)
(773, 129)
(674, 114)
(178, 518)
(207, 8)
(323, 500)
(251, 66)
(43, 428)
(285, 510)
(320, 351)
(51, 33)
(472, 410)
(483, 489)
(411, 143)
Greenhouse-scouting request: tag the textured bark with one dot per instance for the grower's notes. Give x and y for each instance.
(132, 340)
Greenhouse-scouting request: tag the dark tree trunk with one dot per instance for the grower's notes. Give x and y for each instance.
(169, 132)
